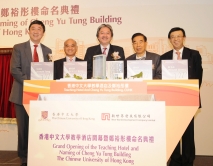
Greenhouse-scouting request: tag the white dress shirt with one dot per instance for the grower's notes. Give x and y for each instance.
(141, 57)
(107, 50)
(39, 51)
(70, 60)
(175, 54)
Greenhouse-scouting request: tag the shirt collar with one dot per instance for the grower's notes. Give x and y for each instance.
(69, 60)
(102, 47)
(181, 50)
(32, 44)
(142, 57)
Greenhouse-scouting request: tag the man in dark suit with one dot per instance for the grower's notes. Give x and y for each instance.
(177, 37)
(70, 49)
(139, 43)
(104, 35)
(20, 65)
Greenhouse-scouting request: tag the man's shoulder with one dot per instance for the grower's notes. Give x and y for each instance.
(44, 46)
(131, 57)
(168, 52)
(60, 60)
(116, 47)
(190, 50)
(152, 54)
(78, 59)
(93, 47)
(167, 55)
(21, 44)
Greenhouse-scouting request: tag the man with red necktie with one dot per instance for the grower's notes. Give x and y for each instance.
(195, 71)
(20, 65)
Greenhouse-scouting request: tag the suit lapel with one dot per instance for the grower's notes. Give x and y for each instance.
(77, 59)
(170, 55)
(97, 50)
(45, 54)
(186, 53)
(131, 57)
(61, 64)
(111, 50)
(148, 56)
(134, 57)
(28, 52)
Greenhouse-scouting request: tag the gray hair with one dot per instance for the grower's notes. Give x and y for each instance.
(104, 25)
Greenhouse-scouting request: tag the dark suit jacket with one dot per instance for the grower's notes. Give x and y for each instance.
(96, 50)
(156, 70)
(195, 70)
(59, 67)
(20, 68)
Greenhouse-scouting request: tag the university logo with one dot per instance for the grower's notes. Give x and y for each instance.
(105, 116)
(44, 114)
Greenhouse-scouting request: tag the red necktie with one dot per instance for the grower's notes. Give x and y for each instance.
(35, 54)
(104, 52)
(178, 57)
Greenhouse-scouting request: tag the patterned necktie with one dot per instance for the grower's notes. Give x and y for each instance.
(104, 52)
(35, 54)
(178, 55)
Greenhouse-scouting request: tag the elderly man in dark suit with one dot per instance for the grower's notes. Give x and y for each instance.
(104, 35)
(70, 49)
(195, 71)
(20, 65)
(139, 43)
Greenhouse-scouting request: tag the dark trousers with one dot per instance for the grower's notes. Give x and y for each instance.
(22, 119)
(188, 148)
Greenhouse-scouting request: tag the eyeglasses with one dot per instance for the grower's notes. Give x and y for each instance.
(174, 37)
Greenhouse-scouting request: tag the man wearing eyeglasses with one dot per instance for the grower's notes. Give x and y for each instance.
(195, 71)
